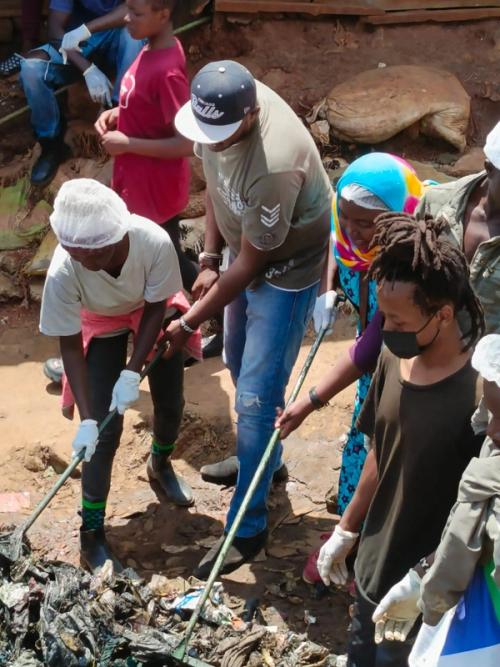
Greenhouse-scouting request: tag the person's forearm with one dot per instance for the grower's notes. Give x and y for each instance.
(114, 19)
(76, 372)
(227, 288)
(356, 511)
(76, 59)
(170, 148)
(214, 241)
(57, 25)
(149, 328)
(342, 375)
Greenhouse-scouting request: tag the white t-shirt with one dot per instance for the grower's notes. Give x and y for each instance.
(150, 273)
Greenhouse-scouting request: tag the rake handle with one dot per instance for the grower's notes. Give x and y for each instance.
(181, 651)
(75, 462)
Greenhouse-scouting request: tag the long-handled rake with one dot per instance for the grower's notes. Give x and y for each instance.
(11, 543)
(180, 653)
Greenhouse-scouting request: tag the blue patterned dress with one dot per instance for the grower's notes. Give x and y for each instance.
(354, 453)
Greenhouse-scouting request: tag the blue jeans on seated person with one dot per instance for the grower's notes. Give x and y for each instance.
(263, 331)
(40, 78)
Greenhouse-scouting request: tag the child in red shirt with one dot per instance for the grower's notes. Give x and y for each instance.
(151, 170)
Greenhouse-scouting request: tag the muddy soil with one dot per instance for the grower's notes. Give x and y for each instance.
(146, 531)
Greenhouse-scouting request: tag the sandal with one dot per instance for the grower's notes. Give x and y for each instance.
(10, 65)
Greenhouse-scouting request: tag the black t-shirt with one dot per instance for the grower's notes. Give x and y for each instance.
(423, 442)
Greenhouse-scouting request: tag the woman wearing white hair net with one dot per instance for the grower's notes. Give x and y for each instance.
(112, 274)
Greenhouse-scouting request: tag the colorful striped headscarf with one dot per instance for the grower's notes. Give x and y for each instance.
(388, 177)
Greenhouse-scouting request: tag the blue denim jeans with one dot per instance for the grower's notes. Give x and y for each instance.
(263, 331)
(40, 78)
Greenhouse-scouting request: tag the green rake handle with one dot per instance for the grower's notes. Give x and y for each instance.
(77, 459)
(180, 651)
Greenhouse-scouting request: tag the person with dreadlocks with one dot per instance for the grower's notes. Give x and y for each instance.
(417, 415)
(372, 184)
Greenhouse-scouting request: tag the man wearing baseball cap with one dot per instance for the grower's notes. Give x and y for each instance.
(268, 199)
(471, 206)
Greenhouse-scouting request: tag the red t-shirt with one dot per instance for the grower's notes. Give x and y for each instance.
(152, 91)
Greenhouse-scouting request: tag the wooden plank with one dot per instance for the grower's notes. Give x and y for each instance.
(400, 5)
(313, 8)
(431, 15)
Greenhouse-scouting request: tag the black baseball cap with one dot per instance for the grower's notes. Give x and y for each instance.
(222, 93)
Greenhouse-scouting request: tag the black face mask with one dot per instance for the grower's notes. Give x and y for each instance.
(404, 344)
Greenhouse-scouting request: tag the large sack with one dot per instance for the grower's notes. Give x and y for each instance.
(375, 105)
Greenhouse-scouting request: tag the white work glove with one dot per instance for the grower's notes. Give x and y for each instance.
(71, 41)
(125, 391)
(86, 438)
(397, 612)
(324, 311)
(331, 560)
(99, 85)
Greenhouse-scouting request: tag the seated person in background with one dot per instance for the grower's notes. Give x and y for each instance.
(417, 415)
(79, 31)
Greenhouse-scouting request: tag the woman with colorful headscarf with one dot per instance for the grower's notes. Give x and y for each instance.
(371, 185)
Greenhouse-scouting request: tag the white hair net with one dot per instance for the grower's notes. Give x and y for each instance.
(486, 358)
(492, 146)
(87, 214)
(362, 197)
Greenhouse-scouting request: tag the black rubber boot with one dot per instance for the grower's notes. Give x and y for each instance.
(54, 152)
(160, 470)
(242, 550)
(225, 472)
(95, 550)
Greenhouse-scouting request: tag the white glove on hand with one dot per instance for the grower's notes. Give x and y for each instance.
(125, 391)
(397, 612)
(331, 559)
(71, 41)
(86, 438)
(99, 85)
(324, 312)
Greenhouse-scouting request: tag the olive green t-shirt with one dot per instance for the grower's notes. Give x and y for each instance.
(272, 189)
(423, 442)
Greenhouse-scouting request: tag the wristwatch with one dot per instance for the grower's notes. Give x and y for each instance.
(210, 260)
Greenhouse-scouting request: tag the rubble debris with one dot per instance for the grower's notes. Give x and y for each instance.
(52, 613)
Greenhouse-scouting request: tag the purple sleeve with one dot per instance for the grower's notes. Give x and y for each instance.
(364, 353)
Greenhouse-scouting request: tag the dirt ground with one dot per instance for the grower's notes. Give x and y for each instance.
(146, 531)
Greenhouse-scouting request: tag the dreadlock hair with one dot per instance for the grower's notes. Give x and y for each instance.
(419, 252)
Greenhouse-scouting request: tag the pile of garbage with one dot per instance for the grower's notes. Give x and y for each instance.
(54, 614)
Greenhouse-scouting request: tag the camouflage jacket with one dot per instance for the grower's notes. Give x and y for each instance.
(449, 201)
